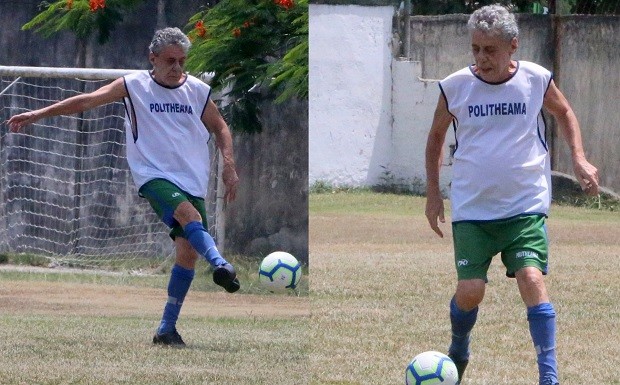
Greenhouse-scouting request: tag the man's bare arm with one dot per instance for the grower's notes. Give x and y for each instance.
(434, 151)
(558, 106)
(104, 95)
(216, 125)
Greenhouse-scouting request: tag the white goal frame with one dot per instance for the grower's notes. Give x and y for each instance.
(215, 201)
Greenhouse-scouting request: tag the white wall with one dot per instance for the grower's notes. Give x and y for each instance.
(369, 113)
(414, 101)
(350, 84)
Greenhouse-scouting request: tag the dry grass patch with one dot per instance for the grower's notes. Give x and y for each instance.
(56, 332)
(382, 281)
(52, 298)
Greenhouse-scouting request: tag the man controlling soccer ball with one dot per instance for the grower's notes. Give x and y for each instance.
(170, 117)
(500, 192)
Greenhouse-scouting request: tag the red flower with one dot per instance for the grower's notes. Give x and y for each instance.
(286, 4)
(96, 4)
(69, 4)
(247, 24)
(236, 32)
(201, 30)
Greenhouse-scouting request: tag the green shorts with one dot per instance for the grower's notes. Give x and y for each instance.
(165, 197)
(521, 240)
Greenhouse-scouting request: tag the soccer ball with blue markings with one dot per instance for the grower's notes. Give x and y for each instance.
(431, 368)
(279, 271)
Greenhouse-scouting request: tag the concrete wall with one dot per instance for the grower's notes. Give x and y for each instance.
(127, 47)
(350, 93)
(588, 72)
(413, 96)
(271, 208)
(369, 112)
(442, 43)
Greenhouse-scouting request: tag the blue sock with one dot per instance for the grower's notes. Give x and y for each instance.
(542, 328)
(180, 281)
(462, 324)
(203, 243)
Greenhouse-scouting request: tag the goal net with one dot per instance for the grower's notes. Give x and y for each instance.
(66, 192)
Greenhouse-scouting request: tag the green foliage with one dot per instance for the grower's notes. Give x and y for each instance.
(82, 17)
(321, 187)
(291, 72)
(324, 187)
(255, 48)
(25, 259)
(603, 201)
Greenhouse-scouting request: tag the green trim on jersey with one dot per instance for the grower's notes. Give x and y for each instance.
(164, 197)
(521, 241)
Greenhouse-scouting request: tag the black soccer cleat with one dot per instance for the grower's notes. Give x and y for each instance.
(226, 277)
(460, 367)
(172, 339)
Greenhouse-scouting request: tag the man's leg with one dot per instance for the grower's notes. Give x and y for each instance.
(463, 316)
(181, 278)
(474, 248)
(541, 318)
(190, 220)
(193, 230)
(203, 243)
(184, 215)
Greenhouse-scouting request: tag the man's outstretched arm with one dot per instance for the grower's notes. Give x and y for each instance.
(104, 95)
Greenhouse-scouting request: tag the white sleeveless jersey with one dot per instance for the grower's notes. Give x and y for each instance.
(501, 165)
(165, 135)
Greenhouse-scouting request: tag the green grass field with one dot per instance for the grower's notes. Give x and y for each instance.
(379, 289)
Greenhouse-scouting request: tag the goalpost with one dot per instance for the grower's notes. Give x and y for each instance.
(66, 192)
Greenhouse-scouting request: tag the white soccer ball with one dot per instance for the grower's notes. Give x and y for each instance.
(430, 368)
(279, 271)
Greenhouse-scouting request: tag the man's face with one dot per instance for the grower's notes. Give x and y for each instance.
(492, 55)
(168, 65)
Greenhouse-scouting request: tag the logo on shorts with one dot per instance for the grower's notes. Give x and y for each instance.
(176, 194)
(462, 262)
(527, 254)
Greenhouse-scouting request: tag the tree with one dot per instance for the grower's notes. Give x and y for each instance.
(83, 17)
(256, 48)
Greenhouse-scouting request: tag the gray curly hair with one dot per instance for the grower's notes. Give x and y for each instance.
(168, 36)
(495, 20)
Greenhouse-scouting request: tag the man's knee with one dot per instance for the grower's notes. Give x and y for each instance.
(186, 213)
(469, 293)
(532, 286)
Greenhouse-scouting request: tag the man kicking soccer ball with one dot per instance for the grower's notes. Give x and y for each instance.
(500, 192)
(170, 118)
